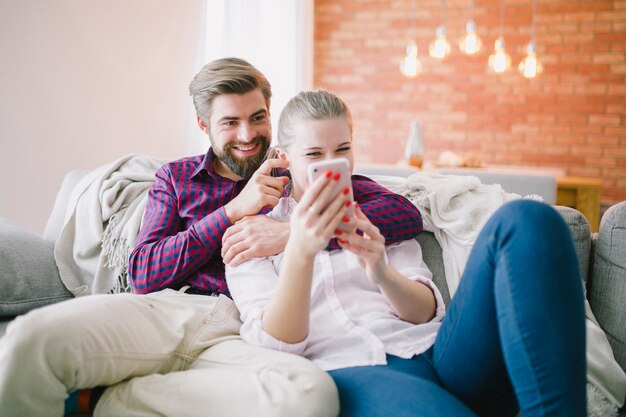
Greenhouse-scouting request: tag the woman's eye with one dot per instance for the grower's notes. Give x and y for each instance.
(341, 150)
(313, 154)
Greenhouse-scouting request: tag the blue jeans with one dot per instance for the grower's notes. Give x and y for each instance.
(513, 337)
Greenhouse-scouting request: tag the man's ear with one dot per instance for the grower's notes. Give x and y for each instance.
(202, 125)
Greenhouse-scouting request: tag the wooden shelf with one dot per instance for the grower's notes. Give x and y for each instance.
(583, 194)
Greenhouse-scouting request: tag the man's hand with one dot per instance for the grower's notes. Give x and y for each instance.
(262, 190)
(253, 237)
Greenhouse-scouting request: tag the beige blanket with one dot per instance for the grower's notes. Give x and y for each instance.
(101, 223)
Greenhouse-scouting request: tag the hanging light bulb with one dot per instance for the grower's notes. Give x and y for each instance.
(440, 47)
(471, 43)
(410, 66)
(530, 66)
(499, 61)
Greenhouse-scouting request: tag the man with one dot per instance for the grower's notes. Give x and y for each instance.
(176, 350)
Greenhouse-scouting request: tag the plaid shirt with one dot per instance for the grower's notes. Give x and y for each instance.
(180, 240)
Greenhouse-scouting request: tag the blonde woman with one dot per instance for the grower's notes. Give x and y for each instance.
(513, 337)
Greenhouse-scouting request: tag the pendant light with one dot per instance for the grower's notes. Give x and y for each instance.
(410, 65)
(471, 43)
(500, 61)
(530, 67)
(440, 47)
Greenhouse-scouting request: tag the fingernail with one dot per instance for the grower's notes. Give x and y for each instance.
(342, 241)
(346, 191)
(328, 174)
(348, 203)
(345, 219)
(337, 176)
(338, 232)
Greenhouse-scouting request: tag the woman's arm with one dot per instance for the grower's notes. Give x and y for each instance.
(287, 315)
(413, 301)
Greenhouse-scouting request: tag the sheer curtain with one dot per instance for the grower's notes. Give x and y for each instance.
(276, 36)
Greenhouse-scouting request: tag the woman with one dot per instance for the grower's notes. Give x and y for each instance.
(513, 337)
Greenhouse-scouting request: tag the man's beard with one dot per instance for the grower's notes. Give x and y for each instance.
(243, 167)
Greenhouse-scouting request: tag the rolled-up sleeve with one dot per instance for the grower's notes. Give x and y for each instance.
(252, 286)
(406, 258)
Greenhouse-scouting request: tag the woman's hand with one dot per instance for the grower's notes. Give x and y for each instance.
(370, 247)
(412, 301)
(312, 226)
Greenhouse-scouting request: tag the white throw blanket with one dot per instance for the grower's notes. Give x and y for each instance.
(101, 223)
(455, 208)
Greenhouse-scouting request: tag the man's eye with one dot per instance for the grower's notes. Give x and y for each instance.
(230, 123)
(259, 118)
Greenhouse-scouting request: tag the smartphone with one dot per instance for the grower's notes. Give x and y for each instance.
(342, 166)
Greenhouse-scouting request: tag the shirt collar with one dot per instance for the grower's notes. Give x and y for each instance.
(206, 164)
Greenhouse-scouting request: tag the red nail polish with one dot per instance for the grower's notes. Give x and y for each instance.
(345, 219)
(346, 191)
(342, 241)
(337, 176)
(328, 174)
(348, 203)
(338, 232)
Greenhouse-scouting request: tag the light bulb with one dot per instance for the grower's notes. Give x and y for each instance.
(410, 66)
(530, 66)
(471, 43)
(440, 47)
(499, 61)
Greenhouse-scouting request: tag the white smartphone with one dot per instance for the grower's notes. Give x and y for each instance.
(341, 166)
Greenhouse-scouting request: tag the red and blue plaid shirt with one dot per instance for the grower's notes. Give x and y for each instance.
(180, 240)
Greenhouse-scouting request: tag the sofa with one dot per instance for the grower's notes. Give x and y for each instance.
(29, 277)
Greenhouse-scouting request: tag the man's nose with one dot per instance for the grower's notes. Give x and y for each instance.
(246, 132)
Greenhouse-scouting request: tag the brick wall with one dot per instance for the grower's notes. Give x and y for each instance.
(573, 116)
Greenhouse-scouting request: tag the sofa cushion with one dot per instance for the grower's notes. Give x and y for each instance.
(608, 289)
(29, 277)
(432, 255)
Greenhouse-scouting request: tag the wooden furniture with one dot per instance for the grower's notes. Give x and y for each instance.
(583, 194)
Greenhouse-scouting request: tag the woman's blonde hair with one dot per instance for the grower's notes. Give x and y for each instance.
(310, 105)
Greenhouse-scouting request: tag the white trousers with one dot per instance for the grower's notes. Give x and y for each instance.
(163, 354)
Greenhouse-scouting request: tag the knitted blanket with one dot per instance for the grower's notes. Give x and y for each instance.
(101, 223)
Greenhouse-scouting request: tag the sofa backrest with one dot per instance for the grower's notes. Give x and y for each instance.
(431, 250)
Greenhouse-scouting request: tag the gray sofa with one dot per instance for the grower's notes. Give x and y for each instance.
(29, 277)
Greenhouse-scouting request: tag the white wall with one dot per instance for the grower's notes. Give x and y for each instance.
(83, 82)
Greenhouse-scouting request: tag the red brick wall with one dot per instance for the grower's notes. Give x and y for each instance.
(573, 116)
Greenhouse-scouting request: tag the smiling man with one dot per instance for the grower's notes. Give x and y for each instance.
(173, 348)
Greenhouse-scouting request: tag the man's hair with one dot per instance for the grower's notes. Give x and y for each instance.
(226, 76)
(310, 105)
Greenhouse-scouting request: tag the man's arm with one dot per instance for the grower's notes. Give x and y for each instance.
(165, 255)
(394, 215)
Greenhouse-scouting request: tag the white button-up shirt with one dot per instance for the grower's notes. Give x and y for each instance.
(352, 323)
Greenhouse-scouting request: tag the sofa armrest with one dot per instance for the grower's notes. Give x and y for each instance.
(29, 277)
(608, 288)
